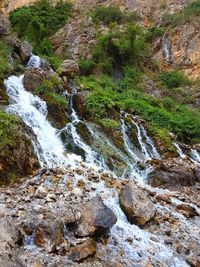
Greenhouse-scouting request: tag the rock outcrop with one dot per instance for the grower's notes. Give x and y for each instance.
(16, 155)
(69, 68)
(173, 172)
(138, 208)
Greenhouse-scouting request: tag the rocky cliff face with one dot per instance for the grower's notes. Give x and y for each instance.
(78, 36)
(8, 5)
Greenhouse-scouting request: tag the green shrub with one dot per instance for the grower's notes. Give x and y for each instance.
(8, 131)
(48, 86)
(37, 22)
(108, 14)
(56, 99)
(182, 16)
(173, 79)
(119, 49)
(4, 59)
(164, 115)
(86, 66)
(132, 17)
(40, 20)
(100, 104)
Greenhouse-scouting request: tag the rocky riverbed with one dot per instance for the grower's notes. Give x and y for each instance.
(70, 217)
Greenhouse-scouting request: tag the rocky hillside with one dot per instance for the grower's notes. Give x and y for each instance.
(99, 133)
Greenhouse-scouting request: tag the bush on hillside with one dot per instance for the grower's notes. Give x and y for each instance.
(108, 14)
(37, 22)
(173, 79)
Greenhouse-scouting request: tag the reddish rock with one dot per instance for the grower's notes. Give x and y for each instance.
(49, 236)
(83, 251)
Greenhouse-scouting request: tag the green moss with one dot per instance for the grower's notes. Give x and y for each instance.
(8, 131)
(5, 67)
(109, 123)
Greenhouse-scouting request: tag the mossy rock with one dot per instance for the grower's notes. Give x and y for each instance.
(16, 153)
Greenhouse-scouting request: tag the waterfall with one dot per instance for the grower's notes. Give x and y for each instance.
(51, 152)
(148, 148)
(33, 111)
(92, 157)
(195, 156)
(179, 150)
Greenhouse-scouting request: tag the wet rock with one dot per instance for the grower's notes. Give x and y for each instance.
(172, 172)
(96, 218)
(49, 236)
(83, 251)
(193, 260)
(79, 102)
(24, 50)
(138, 208)
(69, 68)
(197, 174)
(9, 238)
(187, 210)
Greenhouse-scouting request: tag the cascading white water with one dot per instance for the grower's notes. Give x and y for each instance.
(148, 148)
(195, 156)
(33, 112)
(92, 157)
(179, 151)
(50, 151)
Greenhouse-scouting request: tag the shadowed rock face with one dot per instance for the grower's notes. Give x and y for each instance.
(96, 218)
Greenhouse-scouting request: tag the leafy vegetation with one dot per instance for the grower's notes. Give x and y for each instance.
(180, 17)
(8, 131)
(118, 49)
(4, 59)
(162, 115)
(107, 14)
(37, 22)
(49, 90)
(173, 79)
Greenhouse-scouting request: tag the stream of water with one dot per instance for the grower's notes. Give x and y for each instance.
(52, 153)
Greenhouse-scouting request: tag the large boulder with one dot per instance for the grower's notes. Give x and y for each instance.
(24, 50)
(69, 68)
(173, 172)
(21, 50)
(137, 206)
(96, 218)
(34, 77)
